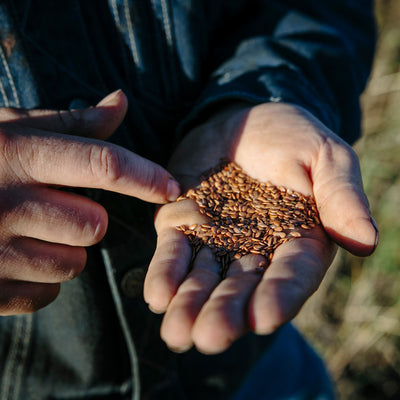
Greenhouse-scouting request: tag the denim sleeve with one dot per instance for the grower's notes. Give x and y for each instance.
(314, 54)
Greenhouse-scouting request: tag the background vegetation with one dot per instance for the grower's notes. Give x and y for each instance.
(354, 319)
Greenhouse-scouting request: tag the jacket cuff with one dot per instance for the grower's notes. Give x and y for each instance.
(271, 85)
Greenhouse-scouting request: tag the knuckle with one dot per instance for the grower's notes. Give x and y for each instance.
(106, 162)
(18, 154)
(337, 149)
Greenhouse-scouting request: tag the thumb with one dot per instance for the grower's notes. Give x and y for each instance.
(341, 201)
(98, 122)
(112, 109)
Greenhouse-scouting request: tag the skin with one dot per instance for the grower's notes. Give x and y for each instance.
(44, 230)
(283, 144)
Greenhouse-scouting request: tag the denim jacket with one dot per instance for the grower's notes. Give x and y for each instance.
(176, 61)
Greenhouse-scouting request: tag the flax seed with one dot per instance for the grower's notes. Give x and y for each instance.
(246, 216)
(295, 234)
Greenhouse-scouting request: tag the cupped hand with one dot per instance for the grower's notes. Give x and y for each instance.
(44, 231)
(283, 144)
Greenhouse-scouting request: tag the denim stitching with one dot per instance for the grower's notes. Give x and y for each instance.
(23, 355)
(11, 80)
(10, 362)
(10, 388)
(166, 50)
(131, 35)
(4, 94)
(124, 325)
(115, 12)
(166, 22)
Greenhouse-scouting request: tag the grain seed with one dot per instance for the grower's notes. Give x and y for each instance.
(246, 216)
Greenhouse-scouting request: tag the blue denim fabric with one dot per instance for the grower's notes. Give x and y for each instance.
(177, 61)
(301, 377)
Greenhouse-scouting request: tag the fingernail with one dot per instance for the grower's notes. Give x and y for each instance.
(110, 99)
(153, 310)
(180, 350)
(173, 190)
(374, 224)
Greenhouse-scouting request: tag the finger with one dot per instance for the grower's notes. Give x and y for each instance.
(171, 260)
(53, 216)
(294, 274)
(176, 328)
(25, 297)
(167, 269)
(25, 259)
(97, 122)
(184, 212)
(80, 162)
(341, 200)
(223, 318)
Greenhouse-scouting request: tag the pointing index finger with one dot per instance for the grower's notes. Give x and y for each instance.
(56, 159)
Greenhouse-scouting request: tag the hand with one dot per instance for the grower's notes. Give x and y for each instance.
(287, 146)
(43, 231)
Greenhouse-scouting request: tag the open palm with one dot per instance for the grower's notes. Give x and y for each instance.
(287, 146)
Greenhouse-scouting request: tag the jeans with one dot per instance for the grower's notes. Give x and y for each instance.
(289, 370)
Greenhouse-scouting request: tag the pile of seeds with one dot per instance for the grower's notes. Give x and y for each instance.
(246, 216)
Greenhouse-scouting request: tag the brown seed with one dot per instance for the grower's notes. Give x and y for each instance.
(247, 216)
(280, 234)
(295, 234)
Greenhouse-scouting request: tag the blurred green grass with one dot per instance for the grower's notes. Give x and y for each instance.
(354, 318)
